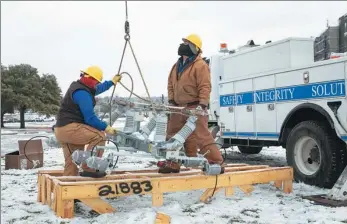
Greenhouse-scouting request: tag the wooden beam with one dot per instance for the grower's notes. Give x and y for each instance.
(154, 173)
(51, 172)
(229, 191)
(288, 186)
(126, 176)
(235, 164)
(120, 171)
(157, 199)
(43, 188)
(54, 201)
(68, 206)
(65, 208)
(115, 188)
(243, 168)
(49, 191)
(59, 202)
(55, 193)
(162, 218)
(67, 180)
(278, 184)
(157, 194)
(39, 176)
(90, 190)
(247, 189)
(205, 197)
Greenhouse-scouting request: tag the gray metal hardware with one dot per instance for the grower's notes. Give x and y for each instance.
(306, 77)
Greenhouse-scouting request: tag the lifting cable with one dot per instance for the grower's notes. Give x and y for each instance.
(127, 41)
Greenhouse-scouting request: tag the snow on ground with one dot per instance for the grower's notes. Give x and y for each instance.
(30, 124)
(7, 132)
(265, 205)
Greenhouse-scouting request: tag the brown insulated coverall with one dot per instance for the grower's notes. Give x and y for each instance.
(75, 136)
(71, 131)
(190, 89)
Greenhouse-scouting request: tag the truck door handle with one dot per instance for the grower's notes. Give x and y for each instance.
(249, 108)
(271, 106)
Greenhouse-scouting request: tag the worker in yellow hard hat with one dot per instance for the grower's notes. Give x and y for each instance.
(189, 85)
(195, 44)
(77, 125)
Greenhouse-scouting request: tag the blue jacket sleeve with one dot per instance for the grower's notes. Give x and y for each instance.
(102, 87)
(84, 100)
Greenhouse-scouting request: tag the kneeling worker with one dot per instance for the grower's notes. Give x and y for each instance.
(77, 125)
(189, 85)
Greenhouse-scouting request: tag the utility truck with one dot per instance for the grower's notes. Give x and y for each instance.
(276, 95)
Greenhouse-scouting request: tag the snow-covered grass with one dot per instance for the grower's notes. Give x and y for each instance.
(7, 132)
(265, 205)
(30, 124)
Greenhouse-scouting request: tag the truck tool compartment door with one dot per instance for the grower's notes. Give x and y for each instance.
(227, 102)
(265, 107)
(244, 108)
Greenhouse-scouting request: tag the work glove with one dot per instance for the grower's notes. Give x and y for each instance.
(110, 130)
(201, 107)
(116, 79)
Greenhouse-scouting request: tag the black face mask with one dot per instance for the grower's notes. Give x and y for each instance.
(185, 50)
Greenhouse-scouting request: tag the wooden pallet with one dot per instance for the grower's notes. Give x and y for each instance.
(59, 191)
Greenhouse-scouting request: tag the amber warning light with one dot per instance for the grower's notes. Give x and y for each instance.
(223, 47)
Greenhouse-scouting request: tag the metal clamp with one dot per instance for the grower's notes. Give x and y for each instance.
(306, 77)
(127, 30)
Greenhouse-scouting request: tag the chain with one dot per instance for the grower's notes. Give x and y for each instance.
(127, 41)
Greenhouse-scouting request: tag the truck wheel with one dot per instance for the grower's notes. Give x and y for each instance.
(249, 150)
(314, 152)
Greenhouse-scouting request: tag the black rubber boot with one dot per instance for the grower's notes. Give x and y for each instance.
(168, 167)
(168, 170)
(92, 174)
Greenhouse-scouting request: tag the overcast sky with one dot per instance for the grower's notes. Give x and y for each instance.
(64, 37)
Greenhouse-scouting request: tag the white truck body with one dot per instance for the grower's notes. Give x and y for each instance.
(256, 92)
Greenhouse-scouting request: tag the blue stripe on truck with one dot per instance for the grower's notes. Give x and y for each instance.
(299, 92)
(261, 134)
(252, 134)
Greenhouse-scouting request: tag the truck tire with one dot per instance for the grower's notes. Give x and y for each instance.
(315, 153)
(249, 150)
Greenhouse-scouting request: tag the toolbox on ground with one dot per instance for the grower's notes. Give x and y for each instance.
(18, 160)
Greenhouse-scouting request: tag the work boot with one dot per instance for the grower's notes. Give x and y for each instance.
(92, 174)
(89, 172)
(168, 167)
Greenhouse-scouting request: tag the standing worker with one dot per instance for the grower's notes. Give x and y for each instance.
(189, 85)
(77, 125)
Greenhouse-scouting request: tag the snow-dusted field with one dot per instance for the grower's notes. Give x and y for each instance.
(264, 205)
(30, 125)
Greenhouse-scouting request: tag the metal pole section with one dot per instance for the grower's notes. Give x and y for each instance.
(132, 155)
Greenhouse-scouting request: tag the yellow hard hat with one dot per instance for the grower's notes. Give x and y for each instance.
(194, 39)
(95, 72)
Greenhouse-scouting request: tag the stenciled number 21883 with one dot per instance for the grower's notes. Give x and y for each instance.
(125, 188)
